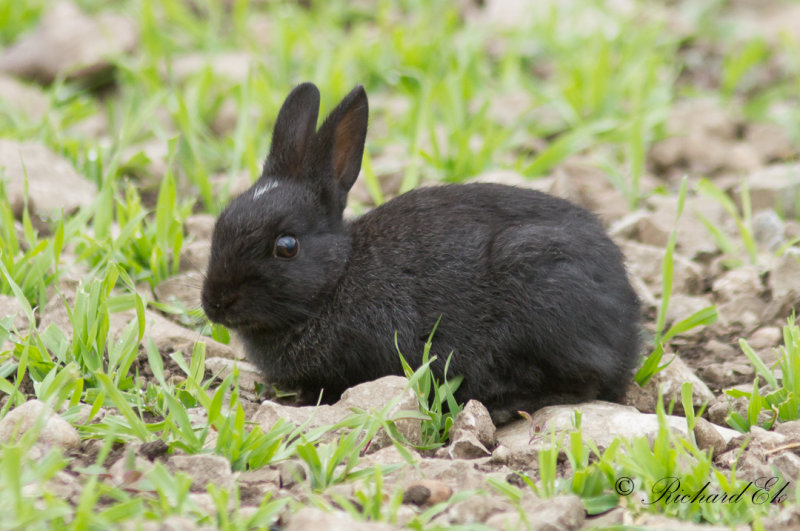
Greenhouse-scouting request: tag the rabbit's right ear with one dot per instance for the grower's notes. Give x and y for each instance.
(341, 139)
(294, 131)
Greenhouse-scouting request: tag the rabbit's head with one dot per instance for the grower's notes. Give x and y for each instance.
(280, 248)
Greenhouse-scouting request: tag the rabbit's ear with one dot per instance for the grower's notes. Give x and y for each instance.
(341, 138)
(294, 131)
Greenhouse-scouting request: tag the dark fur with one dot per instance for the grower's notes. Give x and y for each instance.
(533, 297)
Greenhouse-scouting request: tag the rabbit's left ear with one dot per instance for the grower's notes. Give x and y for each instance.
(294, 131)
(341, 138)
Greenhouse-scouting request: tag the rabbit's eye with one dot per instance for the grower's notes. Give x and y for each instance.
(286, 246)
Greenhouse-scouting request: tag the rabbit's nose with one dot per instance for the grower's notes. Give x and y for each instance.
(214, 307)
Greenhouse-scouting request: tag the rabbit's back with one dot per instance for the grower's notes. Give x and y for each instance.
(533, 297)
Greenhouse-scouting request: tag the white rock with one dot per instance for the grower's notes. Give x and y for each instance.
(169, 335)
(601, 422)
(22, 98)
(53, 184)
(233, 66)
(784, 279)
(67, 42)
(55, 431)
(472, 434)
(195, 255)
(249, 375)
(199, 226)
(769, 230)
(776, 187)
(184, 288)
(669, 382)
(644, 261)
(374, 395)
(204, 469)
(559, 513)
(312, 518)
(737, 283)
(10, 306)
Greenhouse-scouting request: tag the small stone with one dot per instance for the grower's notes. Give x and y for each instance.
(771, 141)
(693, 239)
(765, 338)
(55, 431)
(63, 485)
(312, 518)
(705, 115)
(179, 523)
(153, 450)
(170, 336)
(669, 382)
(764, 439)
(776, 187)
(784, 279)
(94, 127)
(707, 437)
(69, 43)
(744, 313)
(472, 434)
(615, 518)
(204, 469)
(737, 283)
(199, 226)
(506, 108)
(682, 306)
(291, 473)
(184, 288)
(231, 66)
(748, 466)
(262, 475)
(582, 182)
(195, 255)
(256, 484)
(427, 492)
(701, 139)
(249, 375)
(376, 395)
(644, 261)
(465, 446)
(787, 518)
(476, 509)
(205, 502)
(657, 522)
(53, 184)
(769, 230)
(130, 468)
(789, 429)
(10, 306)
(475, 418)
(557, 513)
(742, 157)
(153, 166)
(601, 422)
(500, 455)
(788, 465)
(722, 405)
(727, 373)
(27, 100)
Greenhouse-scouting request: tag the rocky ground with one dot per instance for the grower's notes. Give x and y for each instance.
(709, 139)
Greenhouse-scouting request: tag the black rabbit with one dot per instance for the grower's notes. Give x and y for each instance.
(534, 301)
